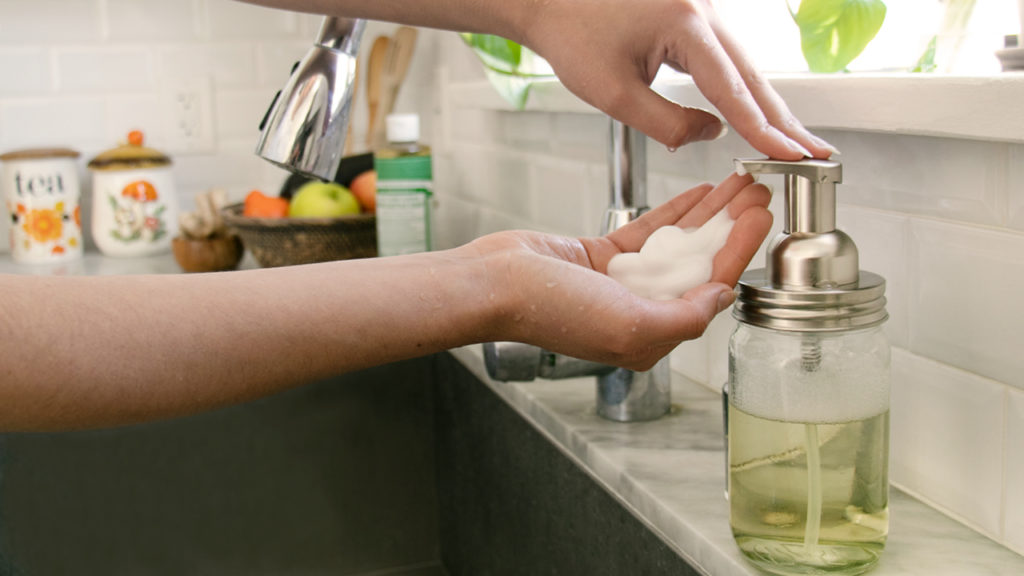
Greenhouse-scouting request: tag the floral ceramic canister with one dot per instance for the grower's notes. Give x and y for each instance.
(133, 200)
(41, 191)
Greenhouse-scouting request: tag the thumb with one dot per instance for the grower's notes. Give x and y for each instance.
(713, 298)
(688, 317)
(669, 123)
(635, 104)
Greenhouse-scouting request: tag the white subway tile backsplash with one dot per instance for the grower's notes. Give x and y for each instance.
(562, 200)
(152, 20)
(691, 359)
(1015, 187)
(690, 161)
(947, 438)
(1013, 511)
(498, 179)
(238, 112)
(125, 113)
(104, 69)
(24, 71)
(229, 65)
(489, 221)
(50, 22)
(76, 122)
(881, 239)
(232, 19)
(965, 306)
(456, 222)
(531, 131)
(948, 178)
(582, 136)
(475, 126)
(236, 171)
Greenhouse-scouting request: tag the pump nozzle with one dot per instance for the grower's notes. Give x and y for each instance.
(810, 252)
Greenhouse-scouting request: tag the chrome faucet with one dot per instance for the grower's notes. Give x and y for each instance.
(622, 395)
(304, 130)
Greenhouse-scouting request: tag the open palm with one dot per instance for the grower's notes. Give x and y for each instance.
(555, 293)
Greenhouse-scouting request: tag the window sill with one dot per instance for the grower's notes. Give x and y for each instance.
(973, 107)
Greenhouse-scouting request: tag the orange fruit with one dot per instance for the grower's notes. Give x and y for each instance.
(364, 186)
(259, 205)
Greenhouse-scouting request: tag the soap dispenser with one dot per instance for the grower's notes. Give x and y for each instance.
(808, 392)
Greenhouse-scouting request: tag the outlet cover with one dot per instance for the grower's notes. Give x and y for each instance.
(187, 111)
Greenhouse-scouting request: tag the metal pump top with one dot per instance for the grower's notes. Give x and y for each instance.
(811, 281)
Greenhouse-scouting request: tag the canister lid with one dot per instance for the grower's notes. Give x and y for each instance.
(130, 156)
(849, 307)
(39, 154)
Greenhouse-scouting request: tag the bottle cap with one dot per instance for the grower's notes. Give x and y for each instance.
(403, 127)
(811, 281)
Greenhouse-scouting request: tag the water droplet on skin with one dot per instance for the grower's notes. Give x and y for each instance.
(671, 149)
(518, 318)
(533, 307)
(552, 284)
(564, 329)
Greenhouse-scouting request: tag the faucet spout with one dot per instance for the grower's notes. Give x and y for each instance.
(627, 172)
(304, 129)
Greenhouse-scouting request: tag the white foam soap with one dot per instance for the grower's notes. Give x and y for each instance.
(673, 260)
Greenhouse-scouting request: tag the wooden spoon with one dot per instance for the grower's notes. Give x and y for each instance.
(396, 67)
(374, 72)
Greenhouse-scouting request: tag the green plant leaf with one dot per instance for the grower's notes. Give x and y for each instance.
(926, 63)
(834, 32)
(507, 66)
(495, 51)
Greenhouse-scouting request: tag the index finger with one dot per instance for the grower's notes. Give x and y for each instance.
(715, 74)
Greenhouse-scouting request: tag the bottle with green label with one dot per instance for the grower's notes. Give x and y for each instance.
(404, 189)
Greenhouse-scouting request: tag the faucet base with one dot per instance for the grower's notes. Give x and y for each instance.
(629, 396)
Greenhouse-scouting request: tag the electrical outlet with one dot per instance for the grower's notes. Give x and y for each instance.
(188, 116)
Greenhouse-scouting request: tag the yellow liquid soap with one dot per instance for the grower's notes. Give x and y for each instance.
(809, 498)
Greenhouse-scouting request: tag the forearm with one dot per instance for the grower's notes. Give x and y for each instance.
(505, 18)
(129, 349)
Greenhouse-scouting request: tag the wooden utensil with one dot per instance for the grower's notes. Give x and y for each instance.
(374, 71)
(349, 138)
(397, 62)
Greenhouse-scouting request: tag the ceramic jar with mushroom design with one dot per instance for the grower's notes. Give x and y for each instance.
(134, 203)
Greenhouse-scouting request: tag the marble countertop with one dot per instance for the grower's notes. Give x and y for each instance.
(671, 474)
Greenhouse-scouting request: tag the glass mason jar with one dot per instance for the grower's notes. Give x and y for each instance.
(808, 437)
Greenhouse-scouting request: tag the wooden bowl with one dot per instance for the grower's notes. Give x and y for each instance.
(214, 254)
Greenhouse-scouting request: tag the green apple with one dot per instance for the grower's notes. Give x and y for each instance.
(322, 200)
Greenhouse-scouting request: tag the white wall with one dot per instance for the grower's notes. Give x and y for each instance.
(941, 219)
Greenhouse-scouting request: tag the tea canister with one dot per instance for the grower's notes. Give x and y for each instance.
(41, 191)
(133, 200)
